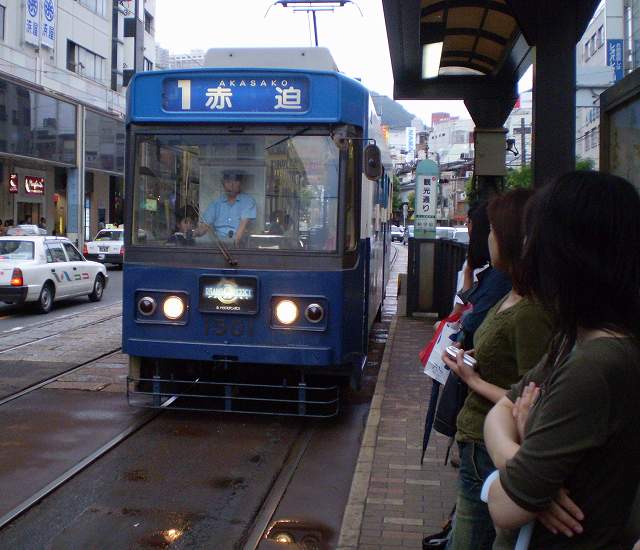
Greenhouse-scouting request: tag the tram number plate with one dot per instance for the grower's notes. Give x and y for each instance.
(225, 326)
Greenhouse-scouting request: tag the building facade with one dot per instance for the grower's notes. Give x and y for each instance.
(64, 66)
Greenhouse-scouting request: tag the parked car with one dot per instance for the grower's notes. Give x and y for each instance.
(444, 232)
(41, 270)
(107, 247)
(461, 234)
(397, 233)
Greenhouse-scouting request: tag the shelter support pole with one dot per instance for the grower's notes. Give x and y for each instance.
(554, 93)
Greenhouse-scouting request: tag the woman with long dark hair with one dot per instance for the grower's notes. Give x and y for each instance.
(566, 439)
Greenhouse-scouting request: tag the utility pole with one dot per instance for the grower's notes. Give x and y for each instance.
(523, 131)
(523, 143)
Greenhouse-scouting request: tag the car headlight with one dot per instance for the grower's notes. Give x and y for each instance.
(286, 312)
(147, 306)
(173, 307)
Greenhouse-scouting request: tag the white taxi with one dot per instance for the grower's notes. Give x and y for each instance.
(107, 247)
(41, 269)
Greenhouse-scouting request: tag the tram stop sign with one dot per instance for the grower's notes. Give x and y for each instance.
(427, 175)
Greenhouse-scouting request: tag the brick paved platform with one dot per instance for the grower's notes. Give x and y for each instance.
(395, 501)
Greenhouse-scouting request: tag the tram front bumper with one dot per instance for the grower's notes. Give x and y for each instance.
(243, 353)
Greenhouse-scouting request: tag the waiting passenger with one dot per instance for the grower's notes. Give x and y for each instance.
(511, 340)
(565, 439)
(229, 215)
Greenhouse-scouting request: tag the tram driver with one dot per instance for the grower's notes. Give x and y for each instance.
(229, 215)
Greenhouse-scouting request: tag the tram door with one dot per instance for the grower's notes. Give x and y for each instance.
(28, 212)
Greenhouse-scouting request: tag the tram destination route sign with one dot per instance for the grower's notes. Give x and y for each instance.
(219, 294)
(229, 94)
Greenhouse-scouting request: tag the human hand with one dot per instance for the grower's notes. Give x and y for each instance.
(562, 515)
(466, 373)
(522, 406)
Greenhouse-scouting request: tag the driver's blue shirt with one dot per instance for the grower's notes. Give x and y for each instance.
(224, 217)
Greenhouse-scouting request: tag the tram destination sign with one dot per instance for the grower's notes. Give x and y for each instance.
(225, 94)
(220, 294)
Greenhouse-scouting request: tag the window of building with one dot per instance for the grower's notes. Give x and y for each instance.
(148, 23)
(84, 62)
(592, 45)
(2, 10)
(586, 51)
(147, 64)
(600, 37)
(595, 137)
(587, 141)
(96, 6)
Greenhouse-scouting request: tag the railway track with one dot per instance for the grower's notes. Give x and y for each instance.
(47, 381)
(37, 340)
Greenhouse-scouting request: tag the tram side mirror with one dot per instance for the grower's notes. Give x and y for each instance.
(372, 162)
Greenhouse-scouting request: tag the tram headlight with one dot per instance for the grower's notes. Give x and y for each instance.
(147, 306)
(173, 307)
(314, 313)
(286, 312)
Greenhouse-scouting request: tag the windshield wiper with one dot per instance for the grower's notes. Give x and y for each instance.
(288, 137)
(224, 250)
(221, 247)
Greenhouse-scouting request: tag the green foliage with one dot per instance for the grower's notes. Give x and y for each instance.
(519, 177)
(411, 199)
(396, 201)
(470, 191)
(584, 164)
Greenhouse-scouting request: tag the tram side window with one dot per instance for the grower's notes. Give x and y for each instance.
(351, 234)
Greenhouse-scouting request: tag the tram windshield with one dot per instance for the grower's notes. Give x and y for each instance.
(245, 188)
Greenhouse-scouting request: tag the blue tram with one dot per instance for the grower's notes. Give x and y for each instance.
(257, 235)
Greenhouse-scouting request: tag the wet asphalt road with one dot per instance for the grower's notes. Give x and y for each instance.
(14, 317)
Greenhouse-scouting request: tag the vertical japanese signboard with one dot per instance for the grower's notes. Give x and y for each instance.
(48, 23)
(411, 141)
(427, 174)
(32, 22)
(13, 183)
(614, 57)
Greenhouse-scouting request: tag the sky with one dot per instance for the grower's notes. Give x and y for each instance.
(357, 38)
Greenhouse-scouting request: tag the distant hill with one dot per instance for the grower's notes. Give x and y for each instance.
(392, 113)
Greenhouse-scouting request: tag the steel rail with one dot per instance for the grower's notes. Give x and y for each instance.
(278, 489)
(38, 340)
(63, 478)
(42, 383)
(65, 316)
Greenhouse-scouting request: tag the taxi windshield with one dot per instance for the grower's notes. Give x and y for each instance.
(16, 250)
(271, 189)
(108, 235)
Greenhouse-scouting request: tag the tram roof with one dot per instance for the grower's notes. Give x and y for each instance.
(319, 59)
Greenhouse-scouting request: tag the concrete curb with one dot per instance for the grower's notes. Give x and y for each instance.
(354, 511)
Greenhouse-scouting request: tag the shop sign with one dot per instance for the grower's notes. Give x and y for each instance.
(615, 57)
(13, 183)
(48, 23)
(32, 22)
(34, 185)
